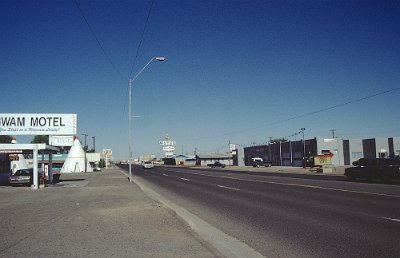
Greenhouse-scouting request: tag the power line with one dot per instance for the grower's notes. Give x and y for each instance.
(98, 41)
(324, 109)
(302, 115)
(141, 38)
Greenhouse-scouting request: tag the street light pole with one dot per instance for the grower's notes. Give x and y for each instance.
(304, 148)
(94, 143)
(130, 81)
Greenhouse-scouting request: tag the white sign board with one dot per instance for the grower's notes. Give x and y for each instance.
(166, 143)
(168, 148)
(38, 124)
(64, 140)
(169, 153)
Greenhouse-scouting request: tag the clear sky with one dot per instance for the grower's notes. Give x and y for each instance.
(238, 71)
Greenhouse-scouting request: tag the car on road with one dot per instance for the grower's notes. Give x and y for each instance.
(23, 177)
(147, 165)
(376, 168)
(216, 164)
(259, 162)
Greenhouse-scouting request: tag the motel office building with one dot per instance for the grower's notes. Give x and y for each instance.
(345, 152)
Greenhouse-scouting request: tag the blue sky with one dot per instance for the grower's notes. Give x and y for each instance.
(236, 71)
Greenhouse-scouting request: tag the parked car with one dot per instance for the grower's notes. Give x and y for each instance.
(23, 177)
(259, 162)
(377, 168)
(216, 164)
(148, 164)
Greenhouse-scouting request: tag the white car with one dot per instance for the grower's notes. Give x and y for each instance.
(148, 164)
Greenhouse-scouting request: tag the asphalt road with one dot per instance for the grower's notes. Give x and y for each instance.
(288, 215)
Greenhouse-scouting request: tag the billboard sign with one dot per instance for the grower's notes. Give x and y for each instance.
(38, 124)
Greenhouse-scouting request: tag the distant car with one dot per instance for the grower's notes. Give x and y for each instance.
(377, 168)
(216, 164)
(259, 162)
(23, 177)
(96, 169)
(148, 164)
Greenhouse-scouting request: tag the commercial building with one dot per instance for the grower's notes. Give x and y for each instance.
(345, 152)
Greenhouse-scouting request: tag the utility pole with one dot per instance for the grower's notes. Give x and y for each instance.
(94, 143)
(85, 139)
(333, 132)
(85, 149)
(304, 148)
(269, 147)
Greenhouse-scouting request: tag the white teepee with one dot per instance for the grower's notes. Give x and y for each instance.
(75, 161)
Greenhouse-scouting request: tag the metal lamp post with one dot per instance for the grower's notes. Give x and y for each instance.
(130, 81)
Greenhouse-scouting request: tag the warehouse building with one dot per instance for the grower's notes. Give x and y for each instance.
(345, 152)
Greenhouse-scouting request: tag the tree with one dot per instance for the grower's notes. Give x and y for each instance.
(41, 139)
(5, 139)
(102, 163)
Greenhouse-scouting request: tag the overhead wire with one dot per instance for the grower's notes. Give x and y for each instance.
(141, 38)
(98, 41)
(301, 115)
(135, 58)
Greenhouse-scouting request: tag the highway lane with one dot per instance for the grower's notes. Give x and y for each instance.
(288, 216)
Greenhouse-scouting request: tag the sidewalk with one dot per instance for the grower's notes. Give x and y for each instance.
(96, 214)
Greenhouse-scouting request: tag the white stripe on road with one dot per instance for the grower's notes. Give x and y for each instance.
(164, 174)
(397, 220)
(230, 188)
(184, 179)
(299, 185)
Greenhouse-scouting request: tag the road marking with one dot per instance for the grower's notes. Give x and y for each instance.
(164, 174)
(230, 188)
(397, 220)
(300, 185)
(184, 179)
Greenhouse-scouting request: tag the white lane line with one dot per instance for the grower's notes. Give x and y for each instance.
(397, 220)
(300, 185)
(227, 187)
(184, 179)
(164, 174)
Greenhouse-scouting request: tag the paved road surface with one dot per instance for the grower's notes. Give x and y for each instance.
(288, 215)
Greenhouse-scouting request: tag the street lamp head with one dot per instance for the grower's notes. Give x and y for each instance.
(160, 58)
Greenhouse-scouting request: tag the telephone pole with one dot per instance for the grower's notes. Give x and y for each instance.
(333, 132)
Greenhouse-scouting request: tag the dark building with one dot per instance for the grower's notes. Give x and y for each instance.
(289, 153)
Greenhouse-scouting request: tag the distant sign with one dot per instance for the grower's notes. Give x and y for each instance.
(167, 143)
(38, 124)
(61, 140)
(321, 160)
(168, 148)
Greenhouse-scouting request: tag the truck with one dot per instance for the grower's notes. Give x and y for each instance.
(383, 169)
(216, 164)
(260, 162)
